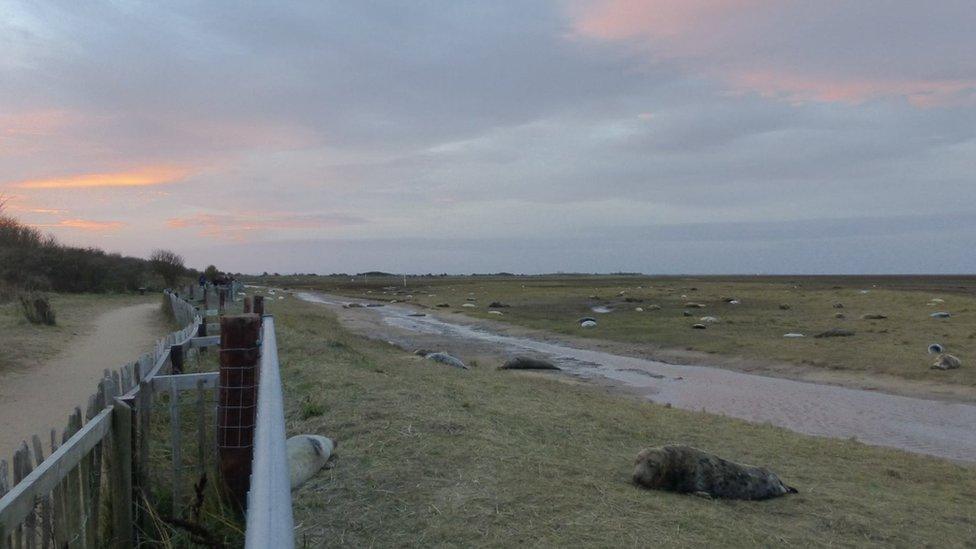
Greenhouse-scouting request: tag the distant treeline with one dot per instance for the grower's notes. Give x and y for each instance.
(33, 261)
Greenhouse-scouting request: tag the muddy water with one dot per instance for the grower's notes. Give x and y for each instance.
(938, 428)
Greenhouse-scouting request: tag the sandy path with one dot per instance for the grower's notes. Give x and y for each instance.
(35, 400)
(935, 427)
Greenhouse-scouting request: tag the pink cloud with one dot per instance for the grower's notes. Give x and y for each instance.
(83, 225)
(654, 19)
(800, 88)
(237, 226)
(138, 177)
(782, 49)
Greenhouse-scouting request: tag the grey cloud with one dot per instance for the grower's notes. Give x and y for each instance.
(426, 115)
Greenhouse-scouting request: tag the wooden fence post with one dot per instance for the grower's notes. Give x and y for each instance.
(259, 305)
(176, 442)
(176, 358)
(237, 401)
(248, 304)
(144, 399)
(222, 297)
(121, 474)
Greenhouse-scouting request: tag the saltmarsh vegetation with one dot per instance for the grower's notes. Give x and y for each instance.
(767, 308)
(433, 455)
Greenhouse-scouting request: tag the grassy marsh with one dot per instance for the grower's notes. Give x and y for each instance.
(430, 455)
(752, 329)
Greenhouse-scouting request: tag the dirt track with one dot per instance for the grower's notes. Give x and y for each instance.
(936, 427)
(35, 400)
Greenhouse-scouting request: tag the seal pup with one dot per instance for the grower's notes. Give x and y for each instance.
(947, 362)
(445, 358)
(688, 470)
(307, 454)
(528, 363)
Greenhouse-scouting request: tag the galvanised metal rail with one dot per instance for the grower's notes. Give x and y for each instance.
(269, 516)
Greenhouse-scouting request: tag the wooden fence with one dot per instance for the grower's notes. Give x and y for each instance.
(87, 491)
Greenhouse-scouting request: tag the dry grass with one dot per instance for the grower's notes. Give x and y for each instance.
(24, 343)
(431, 455)
(753, 329)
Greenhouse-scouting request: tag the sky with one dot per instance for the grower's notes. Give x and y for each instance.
(656, 136)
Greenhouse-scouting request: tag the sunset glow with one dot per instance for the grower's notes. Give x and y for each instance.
(83, 225)
(137, 178)
(677, 135)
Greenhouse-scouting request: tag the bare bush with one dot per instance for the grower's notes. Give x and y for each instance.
(37, 309)
(168, 265)
(33, 261)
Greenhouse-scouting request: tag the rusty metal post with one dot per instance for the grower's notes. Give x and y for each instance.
(259, 305)
(248, 304)
(237, 401)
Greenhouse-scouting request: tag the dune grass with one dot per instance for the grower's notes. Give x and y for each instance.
(24, 343)
(753, 329)
(431, 455)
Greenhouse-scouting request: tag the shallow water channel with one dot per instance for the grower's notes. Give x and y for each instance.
(944, 429)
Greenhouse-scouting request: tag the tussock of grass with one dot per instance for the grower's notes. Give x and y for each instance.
(432, 455)
(310, 409)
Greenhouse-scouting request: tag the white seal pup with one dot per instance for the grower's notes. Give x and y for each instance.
(307, 455)
(445, 358)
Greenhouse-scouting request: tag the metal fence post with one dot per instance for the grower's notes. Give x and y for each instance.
(237, 400)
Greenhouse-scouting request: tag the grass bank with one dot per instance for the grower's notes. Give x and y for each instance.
(752, 329)
(24, 343)
(430, 455)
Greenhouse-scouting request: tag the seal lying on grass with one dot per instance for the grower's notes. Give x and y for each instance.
(947, 362)
(445, 358)
(528, 363)
(307, 454)
(688, 470)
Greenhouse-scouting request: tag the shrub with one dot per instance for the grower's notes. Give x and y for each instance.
(37, 309)
(7, 293)
(32, 261)
(168, 265)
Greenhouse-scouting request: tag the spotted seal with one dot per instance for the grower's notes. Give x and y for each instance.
(688, 470)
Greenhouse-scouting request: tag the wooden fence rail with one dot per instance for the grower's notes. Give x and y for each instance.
(91, 489)
(81, 495)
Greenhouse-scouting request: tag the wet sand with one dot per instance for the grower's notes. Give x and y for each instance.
(35, 400)
(941, 428)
